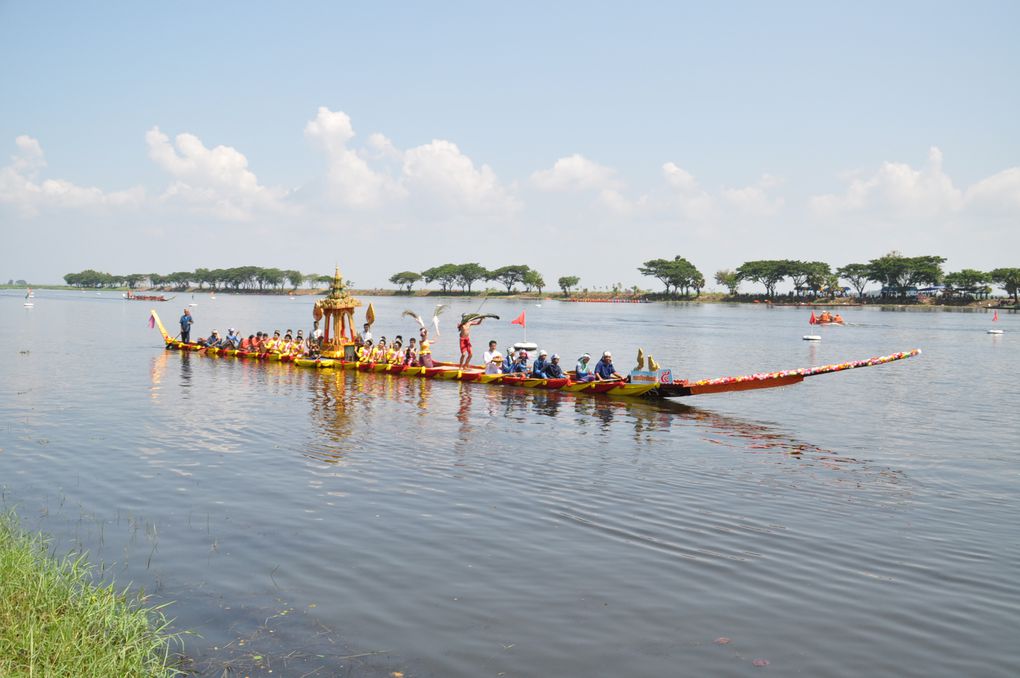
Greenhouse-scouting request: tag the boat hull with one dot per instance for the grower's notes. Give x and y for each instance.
(613, 389)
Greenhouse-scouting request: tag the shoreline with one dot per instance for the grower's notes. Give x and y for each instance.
(995, 303)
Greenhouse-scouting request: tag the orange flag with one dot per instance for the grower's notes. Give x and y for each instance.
(813, 319)
(995, 317)
(519, 320)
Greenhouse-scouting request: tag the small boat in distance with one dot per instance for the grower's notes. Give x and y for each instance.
(146, 297)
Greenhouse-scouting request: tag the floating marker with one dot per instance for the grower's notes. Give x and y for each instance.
(811, 337)
(994, 331)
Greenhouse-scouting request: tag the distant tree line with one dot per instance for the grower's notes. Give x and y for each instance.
(240, 278)
(464, 276)
(897, 274)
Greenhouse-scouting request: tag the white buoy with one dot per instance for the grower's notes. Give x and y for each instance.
(525, 346)
(994, 331)
(29, 304)
(811, 337)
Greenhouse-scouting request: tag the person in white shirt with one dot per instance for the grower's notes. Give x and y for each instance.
(495, 363)
(487, 356)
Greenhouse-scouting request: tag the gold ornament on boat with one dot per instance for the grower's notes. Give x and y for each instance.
(338, 309)
(640, 360)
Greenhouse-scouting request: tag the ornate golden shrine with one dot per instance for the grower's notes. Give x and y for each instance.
(338, 309)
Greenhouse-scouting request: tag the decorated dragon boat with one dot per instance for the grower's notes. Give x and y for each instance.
(146, 297)
(647, 379)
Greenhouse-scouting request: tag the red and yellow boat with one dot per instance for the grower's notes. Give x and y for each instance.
(656, 383)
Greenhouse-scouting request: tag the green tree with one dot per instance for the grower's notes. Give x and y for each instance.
(445, 275)
(968, 281)
(830, 285)
(202, 277)
(272, 277)
(767, 272)
(133, 279)
(1008, 279)
(509, 275)
(729, 279)
(817, 275)
(677, 274)
(567, 283)
(857, 275)
(294, 278)
(897, 272)
(533, 280)
(660, 269)
(468, 274)
(180, 279)
(405, 279)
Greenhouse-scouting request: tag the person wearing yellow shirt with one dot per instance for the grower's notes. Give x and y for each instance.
(425, 349)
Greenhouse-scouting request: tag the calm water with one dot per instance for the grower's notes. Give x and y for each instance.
(864, 523)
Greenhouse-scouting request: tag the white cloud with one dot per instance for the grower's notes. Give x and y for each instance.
(897, 190)
(686, 195)
(997, 193)
(575, 173)
(380, 177)
(22, 187)
(215, 180)
(352, 182)
(440, 171)
(754, 200)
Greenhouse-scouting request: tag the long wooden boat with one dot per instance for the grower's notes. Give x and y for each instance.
(146, 297)
(659, 388)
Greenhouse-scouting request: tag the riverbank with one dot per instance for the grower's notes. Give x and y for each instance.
(55, 621)
(1004, 303)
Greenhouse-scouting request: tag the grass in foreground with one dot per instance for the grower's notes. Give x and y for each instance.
(55, 622)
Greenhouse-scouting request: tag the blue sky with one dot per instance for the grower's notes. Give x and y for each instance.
(579, 139)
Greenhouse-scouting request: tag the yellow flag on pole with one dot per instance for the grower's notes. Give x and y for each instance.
(370, 315)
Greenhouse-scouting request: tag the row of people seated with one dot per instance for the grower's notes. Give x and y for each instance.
(416, 354)
(261, 342)
(545, 367)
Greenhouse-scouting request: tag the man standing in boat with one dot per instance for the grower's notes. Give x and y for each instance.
(186, 321)
(464, 328)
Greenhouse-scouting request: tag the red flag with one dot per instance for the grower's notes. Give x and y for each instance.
(813, 319)
(519, 320)
(995, 317)
(152, 321)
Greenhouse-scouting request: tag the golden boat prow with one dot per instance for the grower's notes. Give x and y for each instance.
(337, 309)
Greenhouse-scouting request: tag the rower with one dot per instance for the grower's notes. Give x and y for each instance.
(604, 370)
(520, 365)
(411, 356)
(540, 364)
(365, 351)
(553, 369)
(581, 371)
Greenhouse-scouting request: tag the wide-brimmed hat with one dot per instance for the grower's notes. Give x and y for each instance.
(497, 356)
(543, 352)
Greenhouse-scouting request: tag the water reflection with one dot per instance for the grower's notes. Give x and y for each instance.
(331, 405)
(185, 372)
(157, 371)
